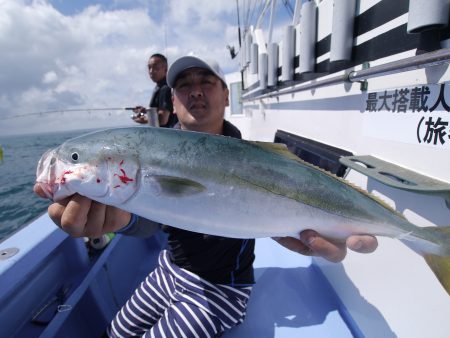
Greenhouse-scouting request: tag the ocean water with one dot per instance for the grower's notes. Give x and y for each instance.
(18, 204)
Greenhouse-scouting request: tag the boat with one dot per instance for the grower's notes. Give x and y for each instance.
(359, 88)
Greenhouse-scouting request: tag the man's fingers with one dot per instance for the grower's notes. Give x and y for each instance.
(95, 220)
(312, 244)
(39, 191)
(362, 243)
(334, 251)
(56, 210)
(74, 217)
(294, 244)
(79, 216)
(115, 219)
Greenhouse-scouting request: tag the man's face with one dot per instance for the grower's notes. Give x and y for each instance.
(199, 100)
(157, 69)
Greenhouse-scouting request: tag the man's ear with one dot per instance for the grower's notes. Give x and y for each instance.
(173, 105)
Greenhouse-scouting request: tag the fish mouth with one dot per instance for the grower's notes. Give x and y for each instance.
(47, 189)
(45, 173)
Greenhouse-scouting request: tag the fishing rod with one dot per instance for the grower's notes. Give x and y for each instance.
(66, 111)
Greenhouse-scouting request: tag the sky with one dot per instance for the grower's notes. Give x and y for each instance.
(92, 54)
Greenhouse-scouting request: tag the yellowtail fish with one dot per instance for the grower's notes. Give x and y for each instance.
(228, 187)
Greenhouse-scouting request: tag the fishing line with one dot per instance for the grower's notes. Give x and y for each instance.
(65, 111)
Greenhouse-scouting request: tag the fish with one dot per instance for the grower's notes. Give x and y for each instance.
(224, 186)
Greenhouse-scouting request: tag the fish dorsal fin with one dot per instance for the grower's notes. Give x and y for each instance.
(283, 150)
(279, 148)
(176, 186)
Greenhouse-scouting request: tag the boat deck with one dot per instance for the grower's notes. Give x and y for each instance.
(54, 289)
(292, 298)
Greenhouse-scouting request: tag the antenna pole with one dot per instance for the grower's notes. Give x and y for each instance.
(239, 24)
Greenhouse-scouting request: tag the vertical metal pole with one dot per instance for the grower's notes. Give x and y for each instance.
(272, 13)
(239, 24)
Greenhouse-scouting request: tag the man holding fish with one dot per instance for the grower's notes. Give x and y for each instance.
(209, 266)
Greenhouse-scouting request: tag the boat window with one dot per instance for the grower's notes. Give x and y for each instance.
(319, 154)
(236, 98)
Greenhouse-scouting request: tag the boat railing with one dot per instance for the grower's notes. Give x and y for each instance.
(435, 58)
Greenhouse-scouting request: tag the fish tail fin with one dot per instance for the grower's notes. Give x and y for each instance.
(440, 262)
(441, 268)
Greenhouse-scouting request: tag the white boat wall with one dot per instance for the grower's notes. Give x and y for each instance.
(374, 105)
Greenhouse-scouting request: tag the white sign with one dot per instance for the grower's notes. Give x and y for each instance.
(419, 115)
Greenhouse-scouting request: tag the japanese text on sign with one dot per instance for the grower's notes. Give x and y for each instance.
(431, 129)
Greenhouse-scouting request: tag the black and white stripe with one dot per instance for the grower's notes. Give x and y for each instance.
(174, 302)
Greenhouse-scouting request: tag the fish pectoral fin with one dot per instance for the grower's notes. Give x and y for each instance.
(177, 186)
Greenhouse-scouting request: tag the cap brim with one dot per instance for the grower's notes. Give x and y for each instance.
(187, 62)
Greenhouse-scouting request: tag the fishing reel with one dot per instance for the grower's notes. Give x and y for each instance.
(139, 112)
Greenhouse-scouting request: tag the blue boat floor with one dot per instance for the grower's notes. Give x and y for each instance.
(291, 298)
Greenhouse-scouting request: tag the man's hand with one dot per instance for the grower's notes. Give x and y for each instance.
(80, 216)
(140, 115)
(310, 243)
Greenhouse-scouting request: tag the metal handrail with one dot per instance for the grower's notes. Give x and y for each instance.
(415, 62)
(435, 58)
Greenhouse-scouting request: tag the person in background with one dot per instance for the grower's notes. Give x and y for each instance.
(161, 97)
(202, 284)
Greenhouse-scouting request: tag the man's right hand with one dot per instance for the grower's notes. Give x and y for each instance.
(140, 115)
(80, 216)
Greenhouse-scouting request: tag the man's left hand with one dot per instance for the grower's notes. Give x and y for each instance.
(311, 243)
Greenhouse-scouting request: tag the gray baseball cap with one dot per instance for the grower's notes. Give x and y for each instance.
(186, 62)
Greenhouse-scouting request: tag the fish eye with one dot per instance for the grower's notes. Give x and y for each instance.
(52, 161)
(74, 156)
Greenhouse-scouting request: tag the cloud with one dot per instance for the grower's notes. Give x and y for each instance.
(95, 56)
(202, 27)
(49, 77)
